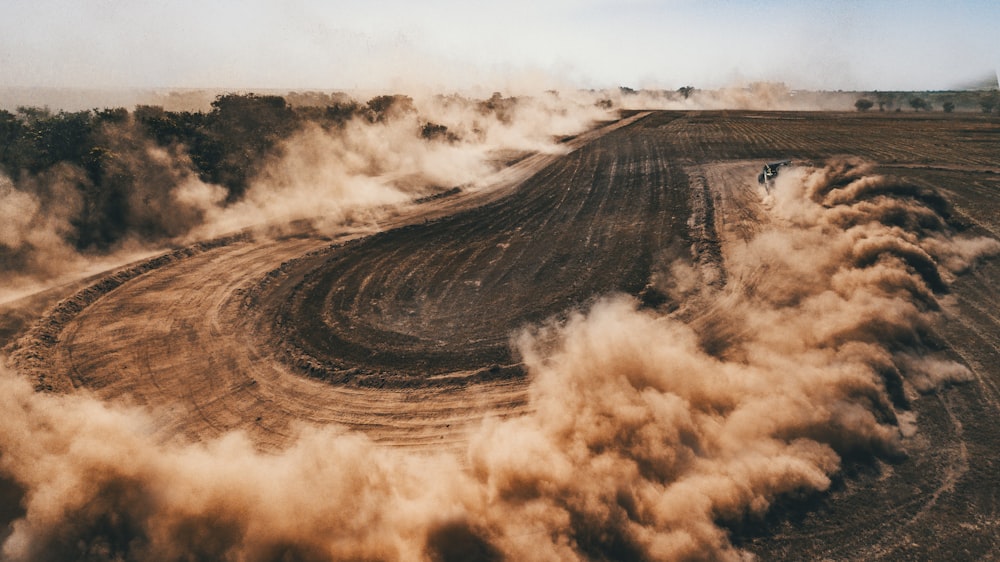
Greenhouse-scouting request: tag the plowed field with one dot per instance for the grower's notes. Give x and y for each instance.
(405, 332)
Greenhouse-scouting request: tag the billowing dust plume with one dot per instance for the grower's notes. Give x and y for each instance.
(422, 147)
(136, 196)
(649, 435)
(765, 96)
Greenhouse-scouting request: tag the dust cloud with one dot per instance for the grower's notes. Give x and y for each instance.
(438, 143)
(71, 219)
(132, 197)
(651, 436)
(37, 229)
(762, 96)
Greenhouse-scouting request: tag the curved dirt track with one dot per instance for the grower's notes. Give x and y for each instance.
(445, 297)
(194, 337)
(405, 332)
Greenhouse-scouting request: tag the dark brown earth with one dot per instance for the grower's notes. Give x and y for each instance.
(445, 296)
(403, 333)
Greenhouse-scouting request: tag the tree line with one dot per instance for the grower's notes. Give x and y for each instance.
(102, 154)
(986, 102)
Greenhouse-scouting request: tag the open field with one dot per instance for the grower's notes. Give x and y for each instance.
(403, 331)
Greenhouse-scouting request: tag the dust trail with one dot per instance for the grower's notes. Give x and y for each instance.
(643, 442)
(766, 96)
(648, 436)
(421, 147)
(96, 487)
(113, 191)
(34, 222)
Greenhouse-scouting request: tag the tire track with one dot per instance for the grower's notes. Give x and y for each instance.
(193, 333)
(443, 302)
(177, 333)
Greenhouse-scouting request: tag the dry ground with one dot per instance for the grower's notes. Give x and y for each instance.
(404, 332)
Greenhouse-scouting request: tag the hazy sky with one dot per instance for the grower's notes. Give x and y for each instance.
(300, 44)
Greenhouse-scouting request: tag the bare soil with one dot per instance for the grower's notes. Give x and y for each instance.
(404, 331)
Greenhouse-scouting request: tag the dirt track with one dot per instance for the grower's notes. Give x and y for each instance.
(405, 332)
(193, 338)
(443, 298)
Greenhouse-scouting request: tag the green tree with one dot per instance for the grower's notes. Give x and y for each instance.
(104, 218)
(341, 112)
(383, 108)
(989, 101)
(168, 128)
(240, 131)
(885, 100)
(116, 115)
(35, 140)
(863, 104)
(435, 131)
(10, 136)
(502, 108)
(919, 103)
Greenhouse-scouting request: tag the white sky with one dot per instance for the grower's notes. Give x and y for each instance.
(452, 44)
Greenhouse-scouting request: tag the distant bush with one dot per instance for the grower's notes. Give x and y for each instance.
(919, 103)
(948, 106)
(989, 101)
(341, 112)
(434, 131)
(863, 104)
(382, 108)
